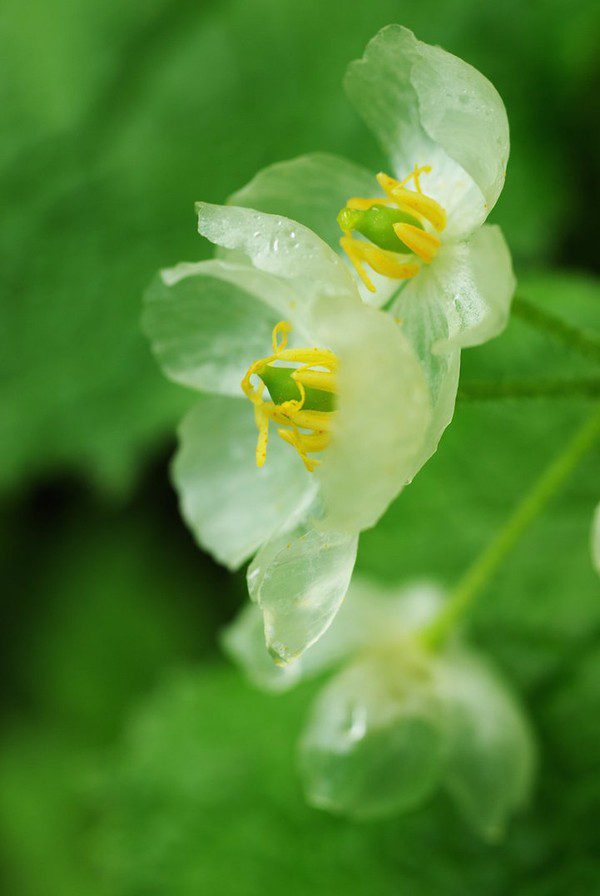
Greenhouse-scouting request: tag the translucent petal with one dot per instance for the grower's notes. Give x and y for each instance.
(368, 615)
(375, 741)
(299, 581)
(425, 325)
(311, 189)
(426, 106)
(209, 321)
(382, 418)
(230, 505)
(596, 539)
(244, 642)
(491, 755)
(281, 247)
(472, 283)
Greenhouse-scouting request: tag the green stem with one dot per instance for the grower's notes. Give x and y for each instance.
(482, 390)
(586, 343)
(484, 567)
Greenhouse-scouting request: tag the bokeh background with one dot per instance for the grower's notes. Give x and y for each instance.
(133, 760)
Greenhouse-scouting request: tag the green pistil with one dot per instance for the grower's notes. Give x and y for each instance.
(282, 387)
(377, 224)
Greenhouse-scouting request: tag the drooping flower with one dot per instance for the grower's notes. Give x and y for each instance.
(315, 412)
(398, 721)
(414, 233)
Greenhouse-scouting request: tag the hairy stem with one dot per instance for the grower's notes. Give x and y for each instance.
(484, 390)
(478, 575)
(584, 342)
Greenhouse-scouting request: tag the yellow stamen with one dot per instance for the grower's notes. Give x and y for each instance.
(306, 429)
(305, 444)
(413, 201)
(311, 357)
(365, 204)
(408, 196)
(315, 379)
(415, 174)
(283, 328)
(423, 244)
(262, 422)
(316, 441)
(314, 420)
(389, 264)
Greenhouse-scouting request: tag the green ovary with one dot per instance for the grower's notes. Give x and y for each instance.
(377, 225)
(282, 387)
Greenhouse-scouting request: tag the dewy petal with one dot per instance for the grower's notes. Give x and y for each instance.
(299, 581)
(491, 755)
(209, 321)
(230, 505)
(311, 189)
(382, 417)
(281, 247)
(374, 741)
(472, 283)
(244, 642)
(596, 540)
(369, 615)
(427, 106)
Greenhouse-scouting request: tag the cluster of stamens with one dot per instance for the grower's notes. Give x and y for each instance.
(400, 228)
(302, 398)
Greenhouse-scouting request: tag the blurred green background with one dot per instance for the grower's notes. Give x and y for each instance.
(133, 761)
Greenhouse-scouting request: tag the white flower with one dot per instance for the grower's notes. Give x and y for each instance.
(369, 392)
(417, 239)
(291, 475)
(398, 721)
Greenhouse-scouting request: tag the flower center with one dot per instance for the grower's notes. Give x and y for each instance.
(302, 397)
(397, 226)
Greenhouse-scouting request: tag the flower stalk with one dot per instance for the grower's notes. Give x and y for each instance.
(493, 390)
(479, 574)
(586, 344)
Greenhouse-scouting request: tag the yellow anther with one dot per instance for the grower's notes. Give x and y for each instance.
(415, 174)
(283, 328)
(377, 250)
(388, 184)
(365, 204)
(305, 444)
(315, 379)
(316, 441)
(306, 429)
(423, 244)
(389, 264)
(293, 416)
(413, 201)
(311, 357)
(262, 423)
(421, 205)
